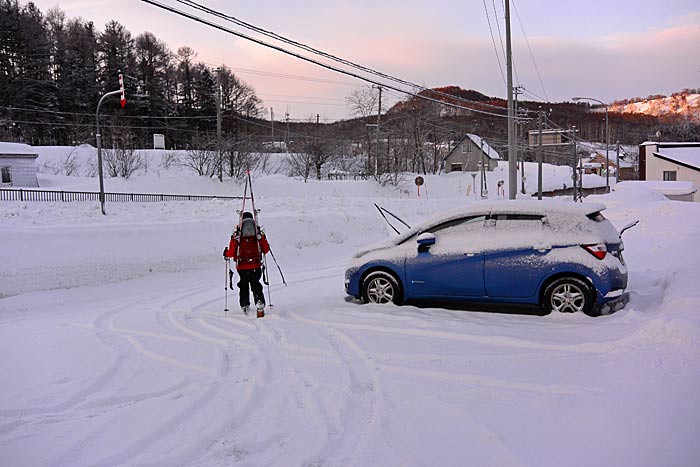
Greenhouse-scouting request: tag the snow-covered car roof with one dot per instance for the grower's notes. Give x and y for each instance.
(543, 207)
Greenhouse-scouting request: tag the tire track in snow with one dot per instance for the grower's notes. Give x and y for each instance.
(98, 384)
(366, 384)
(203, 404)
(596, 347)
(235, 377)
(306, 400)
(362, 406)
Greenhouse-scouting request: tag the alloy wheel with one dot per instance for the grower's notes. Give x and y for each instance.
(568, 298)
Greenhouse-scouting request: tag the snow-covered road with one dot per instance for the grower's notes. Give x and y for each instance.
(151, 371)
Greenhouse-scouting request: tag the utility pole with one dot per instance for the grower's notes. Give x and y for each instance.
(575, 162)
(272, 125)
(607, 149)
(512, 159)
(379, 114)
(286, 136)
(617, 164)
(218, 123)
(484, 186)
(520, 154)
(540, 115)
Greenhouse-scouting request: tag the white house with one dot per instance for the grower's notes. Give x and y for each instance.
(17, 165)
(671, 162)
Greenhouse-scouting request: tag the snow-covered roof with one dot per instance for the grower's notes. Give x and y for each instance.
(16, 148)
(665, 188)
(686, 155)
(488, 150)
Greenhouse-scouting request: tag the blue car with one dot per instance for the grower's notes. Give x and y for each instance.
(563, 257)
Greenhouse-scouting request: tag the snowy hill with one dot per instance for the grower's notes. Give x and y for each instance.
(681, 105)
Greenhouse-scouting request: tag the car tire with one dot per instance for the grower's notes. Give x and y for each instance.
(569, 295)
(381, 287)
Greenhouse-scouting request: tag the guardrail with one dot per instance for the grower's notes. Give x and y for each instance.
(14, 194)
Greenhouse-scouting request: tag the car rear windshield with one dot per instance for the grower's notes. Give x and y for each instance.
(596, 216)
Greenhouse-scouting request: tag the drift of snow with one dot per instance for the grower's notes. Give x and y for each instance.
(115, 350)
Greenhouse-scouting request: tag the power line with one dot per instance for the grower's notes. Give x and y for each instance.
(286, 76)
(92, 115)
(493, 40)
(304, 97)
(539, 76)
(301, 102)
(234, 20)
(498, 27)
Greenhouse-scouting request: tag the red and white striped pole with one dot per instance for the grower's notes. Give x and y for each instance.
(122, 97)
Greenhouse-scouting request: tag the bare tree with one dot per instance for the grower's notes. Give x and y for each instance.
(363, 103)
(241, 156)
(203, 158)
(300, 162)
(122, 160)
(71, 165)
(169, 159)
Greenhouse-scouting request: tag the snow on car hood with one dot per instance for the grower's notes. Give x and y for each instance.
(374, 247)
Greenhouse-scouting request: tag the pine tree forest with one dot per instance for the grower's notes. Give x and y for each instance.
(54, 69)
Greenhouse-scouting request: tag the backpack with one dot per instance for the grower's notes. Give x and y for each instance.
(248, 247)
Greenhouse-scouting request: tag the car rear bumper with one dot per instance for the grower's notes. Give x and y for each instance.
(614, 300)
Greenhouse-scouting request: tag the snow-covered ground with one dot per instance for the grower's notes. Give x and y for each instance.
(115, 349)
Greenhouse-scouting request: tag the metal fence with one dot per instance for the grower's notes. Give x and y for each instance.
(13, 194)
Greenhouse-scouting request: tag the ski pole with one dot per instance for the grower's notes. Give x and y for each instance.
(226, 287)
(278, 266)
(266, 280)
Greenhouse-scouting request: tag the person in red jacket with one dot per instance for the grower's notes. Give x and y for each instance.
(247, 247)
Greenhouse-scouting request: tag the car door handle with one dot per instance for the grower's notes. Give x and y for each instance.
(471, 253)
(543, 248)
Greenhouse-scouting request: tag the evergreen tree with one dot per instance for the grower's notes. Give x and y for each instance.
(115, 49)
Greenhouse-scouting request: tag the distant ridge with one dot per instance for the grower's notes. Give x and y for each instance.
(684, 105)
(679, 106)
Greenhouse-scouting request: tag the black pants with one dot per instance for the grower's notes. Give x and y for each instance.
(250, 277)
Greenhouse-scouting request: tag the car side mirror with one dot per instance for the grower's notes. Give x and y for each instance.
(425, 241)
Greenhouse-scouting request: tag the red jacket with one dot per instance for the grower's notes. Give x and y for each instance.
(251, 261)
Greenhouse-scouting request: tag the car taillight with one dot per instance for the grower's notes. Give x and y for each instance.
(599, 250)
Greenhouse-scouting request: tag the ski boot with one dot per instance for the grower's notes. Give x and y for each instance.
(245, 309)
(261, 309)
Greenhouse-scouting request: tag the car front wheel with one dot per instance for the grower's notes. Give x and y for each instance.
(569, 295)
(381, 287)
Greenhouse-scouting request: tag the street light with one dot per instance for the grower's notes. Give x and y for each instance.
(607, 137)
(98, 137)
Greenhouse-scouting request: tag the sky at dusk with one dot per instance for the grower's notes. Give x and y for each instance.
(606, 50)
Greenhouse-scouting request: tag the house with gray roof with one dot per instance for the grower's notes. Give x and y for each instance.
(18, 165)
(469, 153)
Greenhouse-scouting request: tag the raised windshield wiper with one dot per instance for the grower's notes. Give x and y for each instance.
(628, 226)
(382, 211)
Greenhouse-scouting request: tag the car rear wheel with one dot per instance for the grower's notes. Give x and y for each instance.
(381, 287)
(569, 295)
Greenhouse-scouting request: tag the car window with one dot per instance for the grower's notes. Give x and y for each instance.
(465, 224)
(596, 216)
(523, 222)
